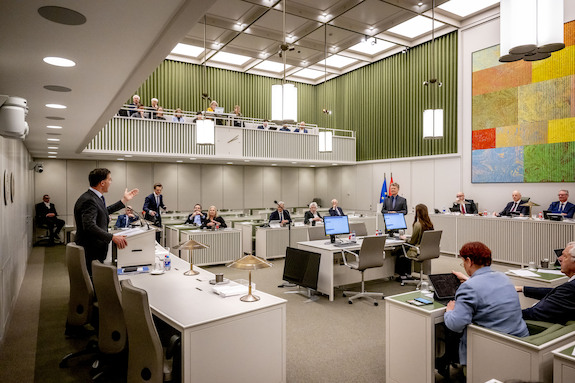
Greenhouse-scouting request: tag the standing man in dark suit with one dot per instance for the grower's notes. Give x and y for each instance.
(515, 206)
(92, 217)
(46, 215)
(394, 203)
(334, 209)
(152, 205)
(563, 207)
(465, 206)
(556, 305)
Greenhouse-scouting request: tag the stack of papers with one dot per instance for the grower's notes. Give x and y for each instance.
(232, 289)
(524, 273)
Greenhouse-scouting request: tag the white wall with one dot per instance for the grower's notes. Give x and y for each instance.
(15, 224)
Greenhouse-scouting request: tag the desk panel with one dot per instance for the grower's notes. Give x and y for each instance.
(225, 245)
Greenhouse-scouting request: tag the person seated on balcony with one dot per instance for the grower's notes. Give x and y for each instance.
(213, 106)
(153, 108)
(264, 125)
(238, 122)
(141, 113)
(285, 128)
(212, 220)
(199, 116)
(301, 128)
(159, 115)
(178, 117)
(131, 107)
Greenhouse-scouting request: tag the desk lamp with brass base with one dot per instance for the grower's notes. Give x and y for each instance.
(190, 245)
(250, 262)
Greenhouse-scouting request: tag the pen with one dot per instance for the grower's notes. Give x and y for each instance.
(197, 288)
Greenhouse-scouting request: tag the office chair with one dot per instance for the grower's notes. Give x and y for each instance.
(145, 357)
(359, 228)
(372, 254)
(41, 239)
(427, 250)
(81, 302)
(316, 233)
(112, 326)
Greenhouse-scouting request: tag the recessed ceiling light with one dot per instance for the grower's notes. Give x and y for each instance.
(56, 106)
(52, 147)
(52, 152)
(59, 61)
(309, 73)
(312, 166)
(274, 164)
(271, 66)
(57, 88)
(371, 48)
(294, 162)
(53, 127)
(128, 155)
(246, 160)
(229, 163)
(464, 8)
(230, 58)
(414, 27)
(192, 158)
(334, 164)
(187, 50)
(54, 139)
(179, 161)
(52, 157)
(120, 159)
(337, 61)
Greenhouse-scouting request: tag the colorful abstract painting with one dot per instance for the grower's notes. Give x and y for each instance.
(523, 117)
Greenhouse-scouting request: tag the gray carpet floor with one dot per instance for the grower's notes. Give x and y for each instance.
(326, 341)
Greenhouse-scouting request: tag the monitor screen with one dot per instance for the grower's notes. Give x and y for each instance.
(394, 221)
(301, 267)
(338, 224)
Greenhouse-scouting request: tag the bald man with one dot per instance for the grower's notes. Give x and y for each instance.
(514, 206)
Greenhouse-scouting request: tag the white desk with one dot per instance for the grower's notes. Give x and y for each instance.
(410, 339)
(544, 280)
(564, 364)
(272, 242)
(332, 274)
(223, 339)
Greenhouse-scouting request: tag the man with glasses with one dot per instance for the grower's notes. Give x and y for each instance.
(46, 215)
(464, 206)
(563, 207)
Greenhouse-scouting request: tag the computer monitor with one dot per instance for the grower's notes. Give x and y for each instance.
(335, 225)
(301, 267)
(394, 222)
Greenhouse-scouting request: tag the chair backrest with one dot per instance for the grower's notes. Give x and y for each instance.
(81, 299)
(429, 245)
(372, 252)
(359, 228)
(315, 233)
(145, 360)
(112, 326)
(525, 199)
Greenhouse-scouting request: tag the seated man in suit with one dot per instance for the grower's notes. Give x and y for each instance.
(334, 209)
(556, 305)
(301, 128)
(563, 207)
(46, 215)
(281, 214)
(465, 206)
(285, 128)
(312, 216)
(264, 125)
(126, 219)
(197, 217)
(514, 206)
(394, 203)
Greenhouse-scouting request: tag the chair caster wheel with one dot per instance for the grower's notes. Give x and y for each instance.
(343, 295)
(350, 302)
(375, 304)
(403, 283)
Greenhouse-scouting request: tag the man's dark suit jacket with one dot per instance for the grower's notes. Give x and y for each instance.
(400, 205)
(308, 216)
(124, 221)
(333, 211)
(190, 220)
(556, 305)
(275, 216)
(520, 209)
(92, 218)
(569, 208)
(42, 210)
(470, 207)
(150, 204)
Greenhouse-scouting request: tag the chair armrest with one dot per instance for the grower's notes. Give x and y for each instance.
(410, 245)
(343, 251)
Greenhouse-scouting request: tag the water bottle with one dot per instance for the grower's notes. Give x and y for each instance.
(540, 215)
(444, 210)
(167, 262)
(353, 236)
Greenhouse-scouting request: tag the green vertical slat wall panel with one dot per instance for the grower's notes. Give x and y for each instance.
(382, 102)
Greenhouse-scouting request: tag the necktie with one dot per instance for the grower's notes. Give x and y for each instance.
(158, 204)
(281, 216)
(393, 202)
(561, 208)
(514, 206)
(462, 208)
(103, 200)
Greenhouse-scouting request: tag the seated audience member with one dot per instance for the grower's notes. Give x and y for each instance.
(465, 206)
(126, 219)
(514, 206)
(238, 122)
(141, 113)
(159, 115)
(421, 223)
(280, 214)
(46, 215)
(301, 128)
(212, 220)
(312, 216)
(153, 108)
(334, 209)
(213, 106)
(133, 107)
(394, 203)
(487, 298)
(197, 217)
(264, 125)
(284, 128)
(178, 117)
(199, 116)
(562, 206)
(556, 305)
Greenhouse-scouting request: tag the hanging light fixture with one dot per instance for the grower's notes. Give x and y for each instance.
(205, 95)
(205, 129)
(325, 143)
(433, 117)
(530, 29)
(284, 96)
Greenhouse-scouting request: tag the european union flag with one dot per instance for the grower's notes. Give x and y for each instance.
(383, 190)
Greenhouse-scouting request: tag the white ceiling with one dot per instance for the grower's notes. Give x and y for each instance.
(122, 42)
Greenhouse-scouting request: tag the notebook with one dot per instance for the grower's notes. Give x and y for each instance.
(445, 286)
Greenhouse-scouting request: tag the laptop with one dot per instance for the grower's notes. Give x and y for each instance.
(219, 109)
(445, 286)
(558, 253)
